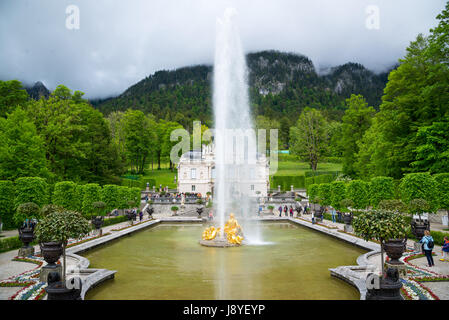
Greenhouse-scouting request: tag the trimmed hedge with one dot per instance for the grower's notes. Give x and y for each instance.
(419, 186)
(64, 195)
(31, 189)
(286, 181)
(381, 188)
(324, 192)
(11, 243)
(7, 195)
(358, 192)
(320, 179)
(338, 193)
(110, 195)
(91, 195)
(114, 220)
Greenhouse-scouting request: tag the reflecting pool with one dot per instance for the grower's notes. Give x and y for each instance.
(166, 262)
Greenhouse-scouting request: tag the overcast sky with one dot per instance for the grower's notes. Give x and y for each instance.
(120, 42)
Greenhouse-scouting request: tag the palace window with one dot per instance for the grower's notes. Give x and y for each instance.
(193, 187)
(193, 173)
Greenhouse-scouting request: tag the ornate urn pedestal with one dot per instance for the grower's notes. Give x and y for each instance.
(347, 219)
(51, 252)
(394, 249)
(150, 212)
(98, 223)
(26, 235)
(199, 211)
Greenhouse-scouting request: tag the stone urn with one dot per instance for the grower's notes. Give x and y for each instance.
(26, 235)
(298, 210)
(150, 212)
(131, 215)
(98, 222)
(394, 249)
(199, 211)
(347, 218)
(418, 228)
(51, 252)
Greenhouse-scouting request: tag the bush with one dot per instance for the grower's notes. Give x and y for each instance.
(358, 192)
(31, 189)
(64, 194)
(91, 194)
(7, 204)
(174, 208)
(338, 193)
(25, 211)
(419, 186)
(380, 188)
(123, 198)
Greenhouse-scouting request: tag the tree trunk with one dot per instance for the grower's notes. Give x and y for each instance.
(64, 262)
(382, 256)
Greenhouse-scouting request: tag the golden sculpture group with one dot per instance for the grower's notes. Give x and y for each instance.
(231, 228)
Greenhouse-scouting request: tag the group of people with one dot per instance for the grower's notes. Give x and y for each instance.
(286, 210)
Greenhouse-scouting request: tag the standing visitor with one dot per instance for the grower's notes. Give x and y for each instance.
(428, 244)
(285, 210)
(291, 211)
(140, 215)
(211, 215)
(280, 211)
(260, 211)
(333, 213)
(445, 250)
(339, 215)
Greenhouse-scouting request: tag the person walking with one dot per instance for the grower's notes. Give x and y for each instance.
(285, 211)
(291, 211)
(280, 211)
(211, 215)
(428, 244)
(140, 215)
(445, 250)
(333, 213)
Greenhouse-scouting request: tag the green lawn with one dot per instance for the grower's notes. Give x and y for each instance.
(164, 176)
(289, 165)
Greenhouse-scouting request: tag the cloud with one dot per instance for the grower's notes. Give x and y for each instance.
(121, 42)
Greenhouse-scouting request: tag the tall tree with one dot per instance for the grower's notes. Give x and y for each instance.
(22, 151)
(12, 94)
(356, 121)
(138, 137)
(309, 138)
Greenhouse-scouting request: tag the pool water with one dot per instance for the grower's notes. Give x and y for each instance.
(167, 262)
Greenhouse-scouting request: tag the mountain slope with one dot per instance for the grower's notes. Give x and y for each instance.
(281, 85)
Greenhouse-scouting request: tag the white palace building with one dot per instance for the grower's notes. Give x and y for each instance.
(196, 174)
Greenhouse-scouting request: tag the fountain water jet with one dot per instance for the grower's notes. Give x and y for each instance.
(234, 136)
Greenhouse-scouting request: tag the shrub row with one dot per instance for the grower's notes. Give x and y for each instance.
(10, 243)
(433, 189)
(67, 194)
